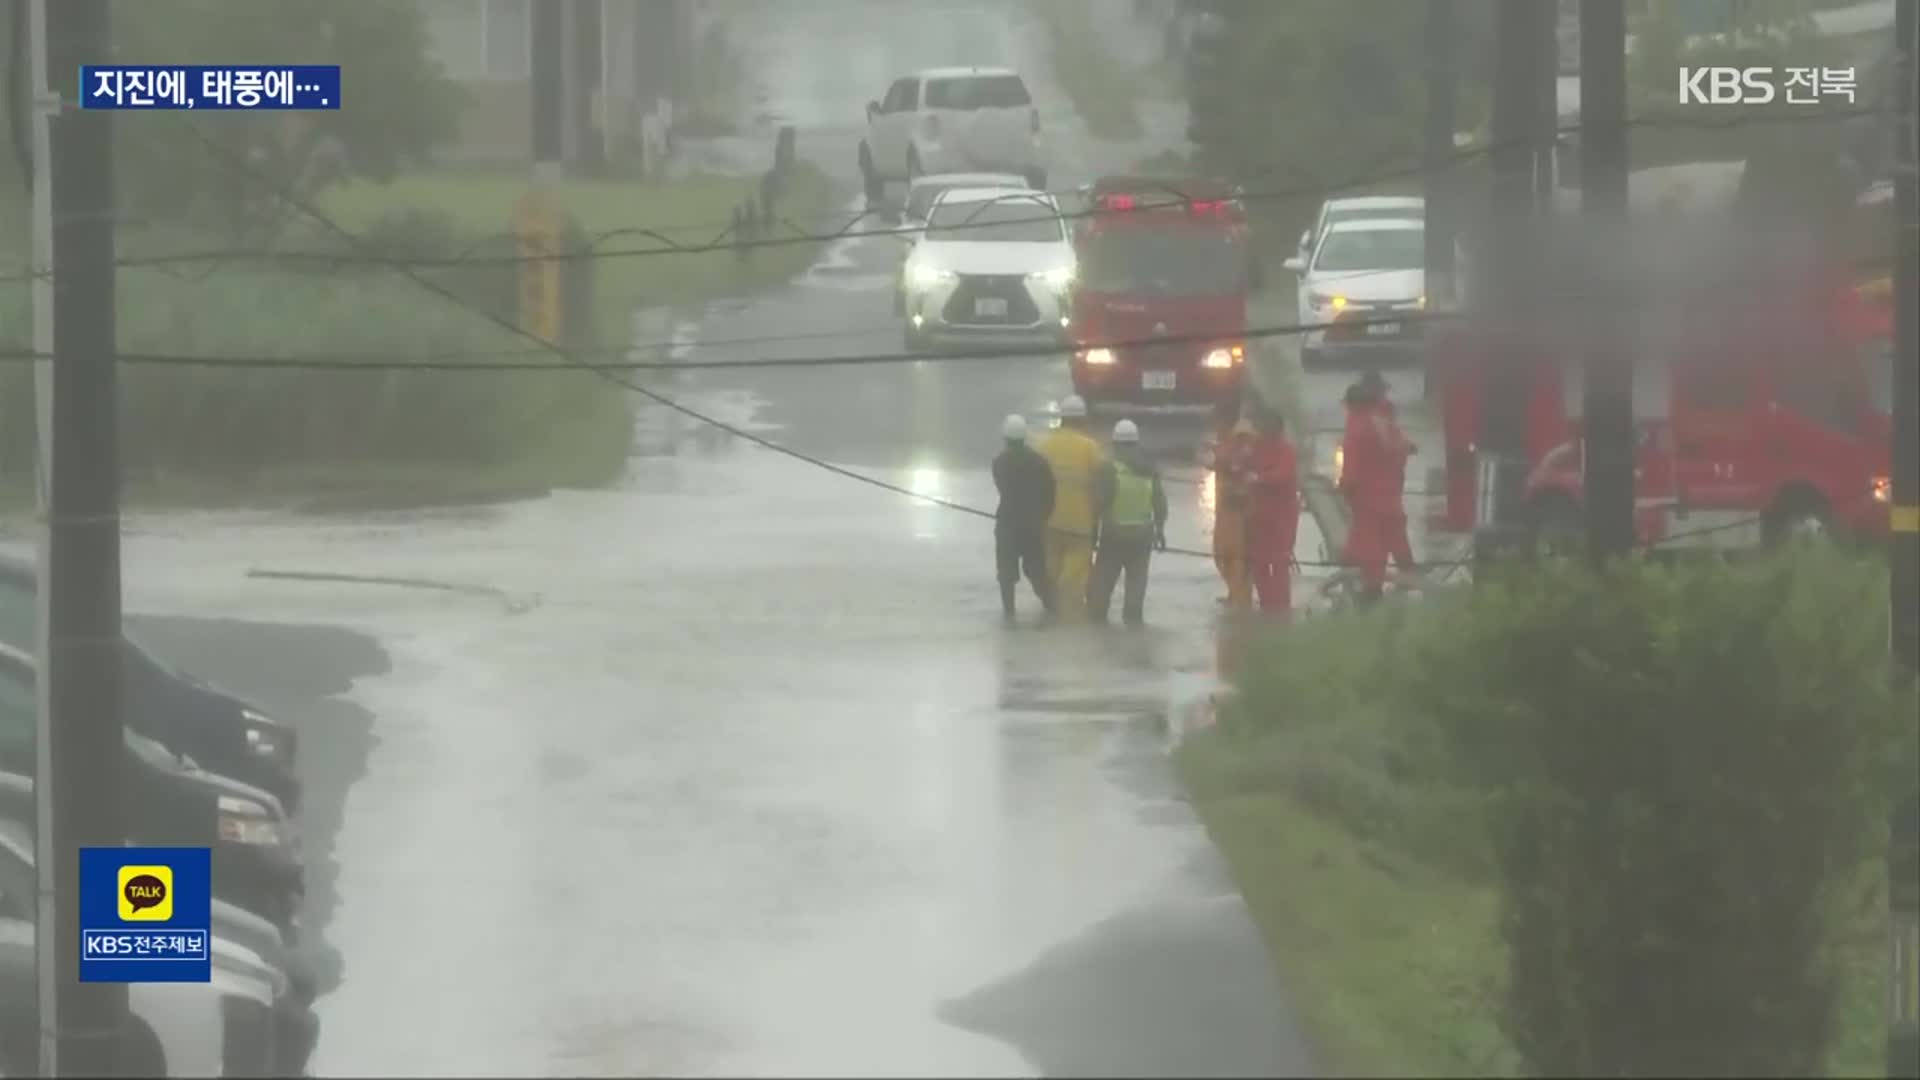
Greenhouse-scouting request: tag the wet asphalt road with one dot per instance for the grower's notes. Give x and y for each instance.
(748, 779)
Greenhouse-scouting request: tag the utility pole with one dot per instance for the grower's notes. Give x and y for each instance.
(1903, 599)
(1508, 387)
(1607, 386)
(82, 742)
(548, 85)
(1441, 76)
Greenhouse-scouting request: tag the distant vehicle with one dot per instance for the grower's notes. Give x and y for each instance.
(262, 953)
(1761, 432)
(1367, 279)
(256, 851)
(995, 264)
(946, 120)
(1161, 259)
(1356, 207)
(218, 1028)
(223, 733)
(918, 204)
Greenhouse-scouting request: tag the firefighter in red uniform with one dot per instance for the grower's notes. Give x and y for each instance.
(1373, 479)
(1393, 522)
(1273, 513)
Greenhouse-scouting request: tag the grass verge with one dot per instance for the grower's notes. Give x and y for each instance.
(1104, 90)
(1366, 870)
(689, 212)
(209, 436)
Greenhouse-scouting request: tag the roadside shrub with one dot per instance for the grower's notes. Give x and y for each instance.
(1687, 770)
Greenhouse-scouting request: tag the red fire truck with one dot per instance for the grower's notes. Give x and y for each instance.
(1161, 259)
(1774, 423)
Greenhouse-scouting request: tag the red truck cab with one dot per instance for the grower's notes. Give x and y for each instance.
(1160, 259)
(1776, 423)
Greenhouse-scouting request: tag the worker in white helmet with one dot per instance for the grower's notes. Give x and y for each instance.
(1025, 482)
(1131, 521)
(1075, 457)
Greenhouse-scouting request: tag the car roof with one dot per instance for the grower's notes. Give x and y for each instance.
(1380, 224)
(971, 179)
(989, 194)
(1376, 202)
(963, 72)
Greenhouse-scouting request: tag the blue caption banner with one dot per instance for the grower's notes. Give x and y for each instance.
(158, 86)
(146, 915)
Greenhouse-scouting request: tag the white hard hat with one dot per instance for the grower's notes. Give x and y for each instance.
(1125, 431)
(1071, 406)
(1014, 427)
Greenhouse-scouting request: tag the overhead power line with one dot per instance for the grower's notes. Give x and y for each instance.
(722, 241)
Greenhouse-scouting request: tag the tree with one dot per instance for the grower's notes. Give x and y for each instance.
(396, 105)
(1312, 94)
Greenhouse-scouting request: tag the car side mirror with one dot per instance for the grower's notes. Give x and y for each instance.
(1295, 264)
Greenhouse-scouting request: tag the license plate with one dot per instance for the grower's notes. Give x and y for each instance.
(1383, 328)
(1157, 380)
(990, 307)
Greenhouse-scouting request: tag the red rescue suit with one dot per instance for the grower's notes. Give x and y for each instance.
(1373, 479)
(1273, 519)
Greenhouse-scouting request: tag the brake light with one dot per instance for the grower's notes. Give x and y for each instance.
(1208, 207)
(1118, 202)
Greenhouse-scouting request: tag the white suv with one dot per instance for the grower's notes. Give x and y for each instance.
(996, 265)
(952, 120)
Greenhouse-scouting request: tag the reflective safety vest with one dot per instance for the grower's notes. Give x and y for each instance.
(1132, 497)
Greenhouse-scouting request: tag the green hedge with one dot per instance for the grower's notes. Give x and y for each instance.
(1670, 782)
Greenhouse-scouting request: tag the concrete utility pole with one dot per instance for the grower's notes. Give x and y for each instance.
(81, 740)
(1903, 595)
(1441, 77)
(547, 83)
(1607, 408)
(1511, 217)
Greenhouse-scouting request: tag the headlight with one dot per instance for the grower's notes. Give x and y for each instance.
(924, 276)
(1882, 489)
(1058, 278)
(264, 737)
(1099, 357)
(1420, 303)
(244, 821)
(1224, 358)
(1321, 300)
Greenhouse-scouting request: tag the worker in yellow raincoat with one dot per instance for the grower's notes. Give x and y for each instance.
(1076, 458)
(1226, 457)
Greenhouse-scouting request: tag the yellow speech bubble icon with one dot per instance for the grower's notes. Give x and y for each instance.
(146, 893)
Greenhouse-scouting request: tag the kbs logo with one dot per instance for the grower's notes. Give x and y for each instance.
(1758, 85)
(1726, 86)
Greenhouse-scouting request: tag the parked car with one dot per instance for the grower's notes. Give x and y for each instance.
(256, 850)
(996, 264)
(220, 731)
(1366, 288)
(952, 120)
(1354, 208)
(295, 1028)
(223, 1027)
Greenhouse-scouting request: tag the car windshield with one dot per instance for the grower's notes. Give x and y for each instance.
(921, 195)
(1017, 220)
(1372, 249)
(1163, 261)
(1335, 216)
(978, 92)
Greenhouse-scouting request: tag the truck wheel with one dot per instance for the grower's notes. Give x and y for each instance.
(1797, 516)
(1559, 532)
